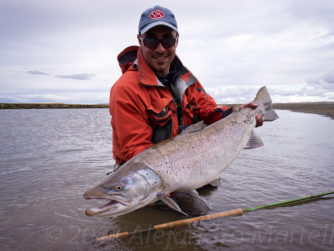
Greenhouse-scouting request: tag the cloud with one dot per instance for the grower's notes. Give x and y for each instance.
(313, 90)
(36, 72)
(82, 76)
(287, 45)
(230, 94)
(321, 88)
(325, 82)
(55, 96)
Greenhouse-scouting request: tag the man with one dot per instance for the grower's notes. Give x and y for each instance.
(157, 97)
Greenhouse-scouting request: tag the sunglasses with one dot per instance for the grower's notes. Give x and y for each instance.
(153, 43)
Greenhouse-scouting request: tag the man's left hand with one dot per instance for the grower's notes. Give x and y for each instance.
(258, 117)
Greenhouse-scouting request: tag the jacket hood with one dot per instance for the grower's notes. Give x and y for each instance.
(127, 57)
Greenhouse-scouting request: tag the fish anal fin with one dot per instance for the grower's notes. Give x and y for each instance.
(254, 141)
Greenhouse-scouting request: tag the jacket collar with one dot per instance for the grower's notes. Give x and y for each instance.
(148, 77)
(146, 74)
(132, 58)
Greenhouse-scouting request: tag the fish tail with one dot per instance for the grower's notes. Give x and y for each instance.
(264, 102)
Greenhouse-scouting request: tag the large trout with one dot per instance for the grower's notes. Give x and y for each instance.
(186, 162)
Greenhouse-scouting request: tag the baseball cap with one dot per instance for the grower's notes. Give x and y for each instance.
(156, 16)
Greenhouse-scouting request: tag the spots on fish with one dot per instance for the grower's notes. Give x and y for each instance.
(248, 118)
(234, 122)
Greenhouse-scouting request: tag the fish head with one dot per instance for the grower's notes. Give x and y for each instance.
(130, 187)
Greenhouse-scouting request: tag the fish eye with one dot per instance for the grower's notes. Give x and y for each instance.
(118, 187)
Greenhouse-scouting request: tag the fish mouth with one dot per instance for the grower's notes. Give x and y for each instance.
(112, 204)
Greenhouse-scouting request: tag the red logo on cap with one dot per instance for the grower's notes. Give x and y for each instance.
(156, 14)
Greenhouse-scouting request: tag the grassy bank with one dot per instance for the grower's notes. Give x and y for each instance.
(322, 108)
(48, 106)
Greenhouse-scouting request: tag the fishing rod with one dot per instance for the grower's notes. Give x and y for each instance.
(234, 212)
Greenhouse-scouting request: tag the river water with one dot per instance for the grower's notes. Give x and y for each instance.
(49, 158)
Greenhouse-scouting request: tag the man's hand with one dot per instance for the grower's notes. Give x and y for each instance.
(258, 117)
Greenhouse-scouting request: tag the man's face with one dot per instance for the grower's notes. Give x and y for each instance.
(159, 58)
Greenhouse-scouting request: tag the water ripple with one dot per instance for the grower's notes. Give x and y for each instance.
(50, 157)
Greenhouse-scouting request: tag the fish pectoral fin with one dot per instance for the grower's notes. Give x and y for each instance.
(254, 141)
(171, 203)
(191, 202)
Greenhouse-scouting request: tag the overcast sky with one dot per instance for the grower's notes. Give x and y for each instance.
(65, 51)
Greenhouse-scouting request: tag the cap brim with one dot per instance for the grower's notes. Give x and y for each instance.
(150, 26)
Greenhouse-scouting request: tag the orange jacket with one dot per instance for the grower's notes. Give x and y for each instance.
(143, 111)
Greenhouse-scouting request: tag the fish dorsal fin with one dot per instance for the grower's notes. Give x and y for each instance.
(253, 142)
(195, 127)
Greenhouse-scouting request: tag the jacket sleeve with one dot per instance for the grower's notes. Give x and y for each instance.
(209, 111)
(132, 132)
